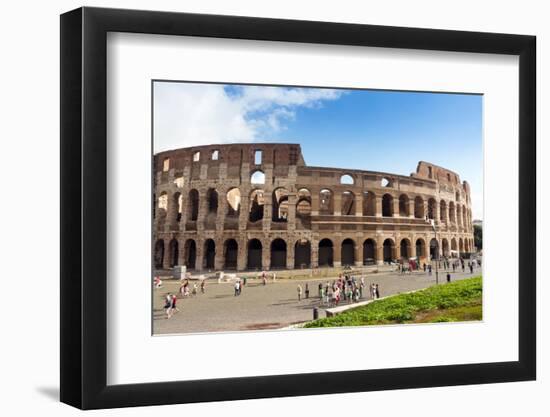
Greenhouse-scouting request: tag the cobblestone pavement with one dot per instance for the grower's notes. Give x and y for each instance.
(272, 306)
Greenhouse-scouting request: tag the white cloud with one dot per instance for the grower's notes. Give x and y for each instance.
(188, 114)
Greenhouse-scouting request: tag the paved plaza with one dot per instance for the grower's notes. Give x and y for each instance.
(271, 306)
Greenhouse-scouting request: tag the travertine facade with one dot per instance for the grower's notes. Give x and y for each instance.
(259, 206)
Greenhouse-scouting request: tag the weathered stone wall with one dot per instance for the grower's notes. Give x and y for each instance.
(211, 211)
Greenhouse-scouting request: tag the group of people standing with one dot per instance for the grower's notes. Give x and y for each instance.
(346, 288)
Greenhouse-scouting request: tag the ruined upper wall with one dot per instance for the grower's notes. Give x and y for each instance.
(235, 154)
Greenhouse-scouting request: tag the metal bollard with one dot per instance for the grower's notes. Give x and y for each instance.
(315, 313)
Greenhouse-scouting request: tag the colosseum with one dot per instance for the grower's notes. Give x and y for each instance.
(260, 207)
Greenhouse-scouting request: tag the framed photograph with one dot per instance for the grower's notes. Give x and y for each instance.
(260, 208)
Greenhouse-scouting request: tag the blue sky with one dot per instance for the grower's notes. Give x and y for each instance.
(362, 129)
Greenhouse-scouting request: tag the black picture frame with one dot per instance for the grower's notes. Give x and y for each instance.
(84, 207)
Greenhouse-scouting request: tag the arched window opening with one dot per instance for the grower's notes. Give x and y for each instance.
(215, 155)
(209, 253)
(404, 205)
(193, 205)
(325, 202)
(434, 249)
(302, 254)
(190, 253)
(431, 208)
(369, 252)
(233, 197)
(166, 164)
(159, 254)
(405, 249)
(280, 205)
(163, 201)
(388, 250)
(443, 211)
(197, 156)
(369, 204)
(452, 215)
(231, 253)
(212, 199)
(174, 253)
(257, 201)
(326, 253)
(254, 259)
(348, 203)
(418, 208)
(347, 179)
(348, 252)
(278, 254)
(257, 177)
(445, 247)
(178, 202)
(420, 248)
(387, 205)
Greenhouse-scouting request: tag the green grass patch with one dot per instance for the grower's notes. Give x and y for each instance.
(457, 301)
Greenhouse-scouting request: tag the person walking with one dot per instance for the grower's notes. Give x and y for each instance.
(173, 307)
(168, 305)
(471, 268)
(299, 292)
(320, 290)
(377, 291)
(448, 277)
(307, 290)
(203, 285)
(237, 288)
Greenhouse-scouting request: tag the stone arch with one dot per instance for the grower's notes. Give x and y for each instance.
(404, 205)
(348, 252)
(464, 216)
(454, 247)
(459, 215)
(278, 253)
(230, 254)
(193, 205)
(257, 177)
(405, 248)
(418, 207)
(452, 216)
(387, 205)
(177, 204)
(162, 207)
(212, 201)
(257, 201)
(442, 211)
(389, 250)
(302, 254)
(434, 249)
(369, 251)
(460, 246)
(326, 252)
(431, 208)
(347, 179)
(445, 247)
(326, 203)
(190, 254)
(174, 252)
(209, 253)
(348, 203)
(233, 197)
(467, 245)
(280, 205)
(369, 204)
(420, 248)
(303, 205)
(254, 254)
(159, 254)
